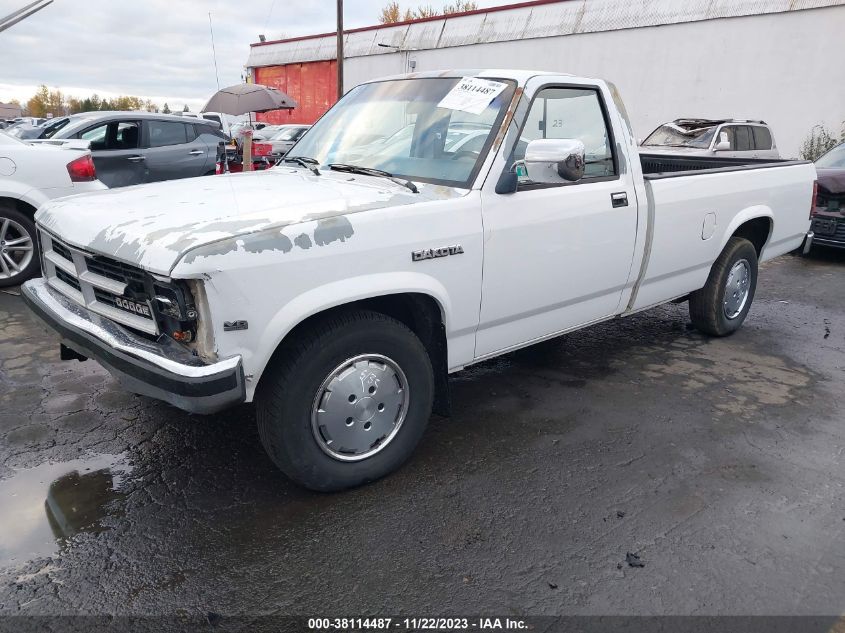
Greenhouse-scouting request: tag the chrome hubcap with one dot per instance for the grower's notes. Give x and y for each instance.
(360, 407)
(736, 290)
(16, 248)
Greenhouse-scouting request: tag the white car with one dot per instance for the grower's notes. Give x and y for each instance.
(338, 291)
(31, 174)
(726, 138)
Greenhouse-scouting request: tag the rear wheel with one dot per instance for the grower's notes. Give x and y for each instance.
(18, 246)
(348, 403)
(720, 307)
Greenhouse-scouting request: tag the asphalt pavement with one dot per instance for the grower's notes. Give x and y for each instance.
(636, 467)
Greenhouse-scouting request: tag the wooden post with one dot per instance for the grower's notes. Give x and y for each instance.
(339, 49)
(247, 154)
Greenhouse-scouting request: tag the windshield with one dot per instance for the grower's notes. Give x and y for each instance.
(834, 158)
(50, 129)
(674, 136)
(399, 127)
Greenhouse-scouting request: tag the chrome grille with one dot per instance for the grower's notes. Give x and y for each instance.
(93, 281)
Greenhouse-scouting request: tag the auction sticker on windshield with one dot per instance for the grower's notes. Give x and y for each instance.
(472, 95)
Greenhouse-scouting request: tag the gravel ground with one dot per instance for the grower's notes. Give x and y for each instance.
(719, 463)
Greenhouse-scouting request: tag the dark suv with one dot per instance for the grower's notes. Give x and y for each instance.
(130, 148)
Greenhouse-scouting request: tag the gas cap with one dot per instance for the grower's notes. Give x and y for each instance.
(7, 166)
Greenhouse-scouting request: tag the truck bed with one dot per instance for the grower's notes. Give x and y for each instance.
(667, 166)
(691, 221)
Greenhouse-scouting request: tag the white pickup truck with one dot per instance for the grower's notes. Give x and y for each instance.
(340, 296)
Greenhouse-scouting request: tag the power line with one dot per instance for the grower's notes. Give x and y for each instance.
(214, 51)
(267, 21)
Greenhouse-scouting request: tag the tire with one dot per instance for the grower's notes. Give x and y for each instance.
(17, 264)
(296, 433)
(711, 309)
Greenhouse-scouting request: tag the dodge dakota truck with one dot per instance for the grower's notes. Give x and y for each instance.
(339, 289)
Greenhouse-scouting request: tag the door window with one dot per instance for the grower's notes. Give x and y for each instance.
(163, 133)
(112, 136)
(762, 137)
(126, 135)
(728, 133)
(571, 113)
(744, 141)
(97, 137)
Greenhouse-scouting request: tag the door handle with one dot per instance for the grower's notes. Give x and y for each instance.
(619, 199)
(135, 159)
(196, 152)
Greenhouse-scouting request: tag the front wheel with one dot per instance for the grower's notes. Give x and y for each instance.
(348, 403)
(720, 307)
(18, 247)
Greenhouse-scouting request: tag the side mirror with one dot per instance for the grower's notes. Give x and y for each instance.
(722, 146)
(554, 161)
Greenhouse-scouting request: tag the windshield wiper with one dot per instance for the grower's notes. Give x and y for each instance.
(304, 161)
(369, 171)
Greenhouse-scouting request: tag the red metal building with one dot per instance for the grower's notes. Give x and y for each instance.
(312, 84)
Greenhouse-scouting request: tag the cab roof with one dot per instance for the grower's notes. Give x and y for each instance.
(520, 76)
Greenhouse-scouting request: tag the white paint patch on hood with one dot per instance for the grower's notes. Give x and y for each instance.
(153, 225)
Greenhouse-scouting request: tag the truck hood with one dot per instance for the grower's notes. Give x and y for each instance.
(154, 225)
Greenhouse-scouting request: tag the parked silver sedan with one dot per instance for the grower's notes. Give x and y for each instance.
(285, 138)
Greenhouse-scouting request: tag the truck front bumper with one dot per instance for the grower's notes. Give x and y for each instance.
(160, 369)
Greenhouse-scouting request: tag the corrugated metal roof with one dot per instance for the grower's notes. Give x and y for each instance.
(524, 21)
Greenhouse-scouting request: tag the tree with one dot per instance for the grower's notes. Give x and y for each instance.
(166, 109)
(426, 11)
(393, 13)
(74, 105)
(459, 7)
(185, 108)
(818, 142)
(390, 14)
(39, 102)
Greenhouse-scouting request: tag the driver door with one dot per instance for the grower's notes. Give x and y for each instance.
(115, 151)
(558, 256)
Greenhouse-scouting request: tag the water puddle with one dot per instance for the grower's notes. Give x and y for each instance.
(44, 506)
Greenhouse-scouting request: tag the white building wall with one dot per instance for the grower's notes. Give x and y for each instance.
(785, 68)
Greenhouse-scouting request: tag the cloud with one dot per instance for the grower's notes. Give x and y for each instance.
(159, 49)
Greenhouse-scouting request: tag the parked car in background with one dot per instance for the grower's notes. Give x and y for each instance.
(727, 138)
(131, 148)
(47, 129)
(828, 226)
(266, 132)
(227, 122)
(29, 176)
(284, 138)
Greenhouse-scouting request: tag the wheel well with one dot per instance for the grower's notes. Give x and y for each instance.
(20, 205)
(421, 313)
(755, 231)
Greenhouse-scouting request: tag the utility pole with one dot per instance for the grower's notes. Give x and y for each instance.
(339, 49)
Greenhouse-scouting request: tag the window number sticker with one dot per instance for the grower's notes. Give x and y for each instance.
(472, 95)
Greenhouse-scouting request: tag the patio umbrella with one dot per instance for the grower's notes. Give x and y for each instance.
(245, 98)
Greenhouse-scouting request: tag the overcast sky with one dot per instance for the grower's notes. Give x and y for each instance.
(158, 49)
